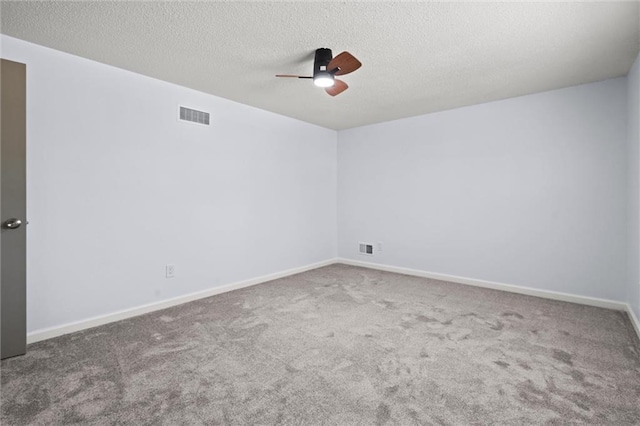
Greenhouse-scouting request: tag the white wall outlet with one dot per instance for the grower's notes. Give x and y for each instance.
(379, 245)
(170, 271)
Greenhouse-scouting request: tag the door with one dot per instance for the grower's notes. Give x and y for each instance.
(13, 210)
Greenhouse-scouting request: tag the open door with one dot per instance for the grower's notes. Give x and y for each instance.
(13, 209)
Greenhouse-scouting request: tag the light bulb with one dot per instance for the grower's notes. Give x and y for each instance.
(323, 79)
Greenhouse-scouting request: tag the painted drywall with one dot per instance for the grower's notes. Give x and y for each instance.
(633, 169)
(118, 188)
(528, 191)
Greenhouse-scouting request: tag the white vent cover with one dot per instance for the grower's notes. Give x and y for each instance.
(366, 248)
(194, 116)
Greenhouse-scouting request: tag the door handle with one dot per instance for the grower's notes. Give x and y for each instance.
(12, 223)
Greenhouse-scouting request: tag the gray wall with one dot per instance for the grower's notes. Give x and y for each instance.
(528, 191)
(633, 263)
(118, 188)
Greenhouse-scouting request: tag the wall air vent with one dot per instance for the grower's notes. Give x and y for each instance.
(194, 116)
(366, 249)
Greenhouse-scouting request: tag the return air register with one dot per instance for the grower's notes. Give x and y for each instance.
(194, 116)
(366, 249)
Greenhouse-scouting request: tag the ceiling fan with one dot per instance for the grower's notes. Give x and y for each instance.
(326, 67)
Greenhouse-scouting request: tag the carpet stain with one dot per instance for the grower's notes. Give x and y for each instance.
(502, 364)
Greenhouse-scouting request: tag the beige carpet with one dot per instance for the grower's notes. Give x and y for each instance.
(338, 345)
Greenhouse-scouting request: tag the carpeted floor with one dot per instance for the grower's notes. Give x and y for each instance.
(338, 345)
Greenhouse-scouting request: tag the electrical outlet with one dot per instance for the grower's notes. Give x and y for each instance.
(170, 271)
(379, 245)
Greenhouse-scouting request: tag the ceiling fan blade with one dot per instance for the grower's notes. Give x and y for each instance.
(338, 87)
(292, 76)
(345, 63)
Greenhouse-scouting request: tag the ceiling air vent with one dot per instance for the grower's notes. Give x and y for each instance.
(194, 116)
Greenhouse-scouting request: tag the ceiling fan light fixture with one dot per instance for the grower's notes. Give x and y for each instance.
(323, 79)
(326, 67)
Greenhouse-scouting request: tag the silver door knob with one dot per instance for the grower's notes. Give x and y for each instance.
(13, 223)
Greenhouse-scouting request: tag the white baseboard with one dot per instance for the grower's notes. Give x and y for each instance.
(634, 320)
(547, 294)
(48, 333)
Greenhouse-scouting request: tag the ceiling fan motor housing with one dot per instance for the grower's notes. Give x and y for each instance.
(322, 59)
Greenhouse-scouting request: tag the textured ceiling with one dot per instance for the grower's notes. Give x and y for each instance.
(417, 57)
